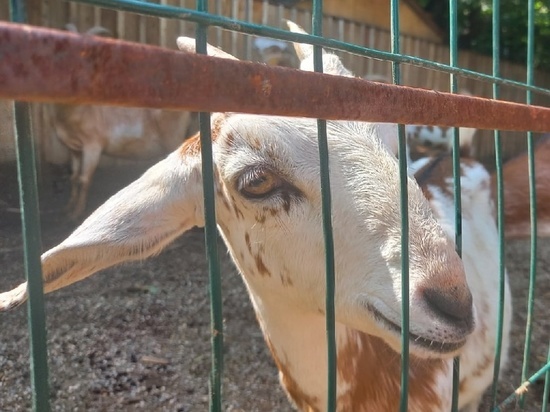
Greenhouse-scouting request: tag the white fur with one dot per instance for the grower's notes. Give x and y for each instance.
(481, 262)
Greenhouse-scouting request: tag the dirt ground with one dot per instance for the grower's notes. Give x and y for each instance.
(136, 337)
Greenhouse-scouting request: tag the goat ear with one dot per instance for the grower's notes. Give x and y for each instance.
(304, 51)
(331, 62)
(137, 222)
(187, 45)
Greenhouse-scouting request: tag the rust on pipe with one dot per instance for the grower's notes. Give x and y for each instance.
(45, 65)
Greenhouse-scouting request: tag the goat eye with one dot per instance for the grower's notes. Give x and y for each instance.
(259, 183)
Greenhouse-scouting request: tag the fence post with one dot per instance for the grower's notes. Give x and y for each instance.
(453, 60)
(404, 206)
(30, 221)
(532, 198)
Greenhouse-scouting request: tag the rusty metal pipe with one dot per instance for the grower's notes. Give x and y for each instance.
(45, 65)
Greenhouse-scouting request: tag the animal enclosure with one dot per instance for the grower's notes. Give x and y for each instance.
(264, 82)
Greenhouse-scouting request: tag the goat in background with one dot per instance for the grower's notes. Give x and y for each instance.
(131, 133)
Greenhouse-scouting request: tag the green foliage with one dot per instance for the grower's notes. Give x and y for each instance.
(475, 27)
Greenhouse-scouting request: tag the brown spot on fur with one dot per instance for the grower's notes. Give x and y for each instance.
(260, 218)
(235, 207)
(466, 151)
(303, 401)
(482, 366)
(286, 201)
(218, 120)
(434, 173)
(368, 392)
(238, 213)
(191, 146)
(254, 143)
(462, 386)
(229, 140)
(286, 280)
(260, 265)
(479, 370)
(247, 241)
(272, 211)
(437, 172)
(226, 203)
(220, 190)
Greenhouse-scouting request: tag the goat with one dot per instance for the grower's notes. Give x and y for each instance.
(132, 133)
(516, 192)
(269, 215)
(517, 222)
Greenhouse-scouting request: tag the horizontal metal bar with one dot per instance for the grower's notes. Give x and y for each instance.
(39, 64)
(161, 10)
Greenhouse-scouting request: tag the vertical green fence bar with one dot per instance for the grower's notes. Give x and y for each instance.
(546, 393)
(453, 62)
(532, 198)
(30, 220)
(404, 206)
(500, 204)
(317, 30)
(211, 239)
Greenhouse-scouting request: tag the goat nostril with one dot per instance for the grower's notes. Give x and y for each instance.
(453, 304)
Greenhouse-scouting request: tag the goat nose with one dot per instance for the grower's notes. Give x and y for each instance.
(453, 304)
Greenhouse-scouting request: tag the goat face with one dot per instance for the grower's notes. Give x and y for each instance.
(269, 212)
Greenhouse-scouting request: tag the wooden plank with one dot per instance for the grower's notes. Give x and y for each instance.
(151, 27)
(4, 10)
(130, 29)
(34, 12)
(108, 19)
(168, 28)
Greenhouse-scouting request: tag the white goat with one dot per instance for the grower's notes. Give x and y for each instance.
(132, 133)
(269, 214)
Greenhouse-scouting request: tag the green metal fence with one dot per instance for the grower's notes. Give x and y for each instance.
(201, 16)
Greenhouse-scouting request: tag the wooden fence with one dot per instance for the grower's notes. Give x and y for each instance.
(133, 27)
